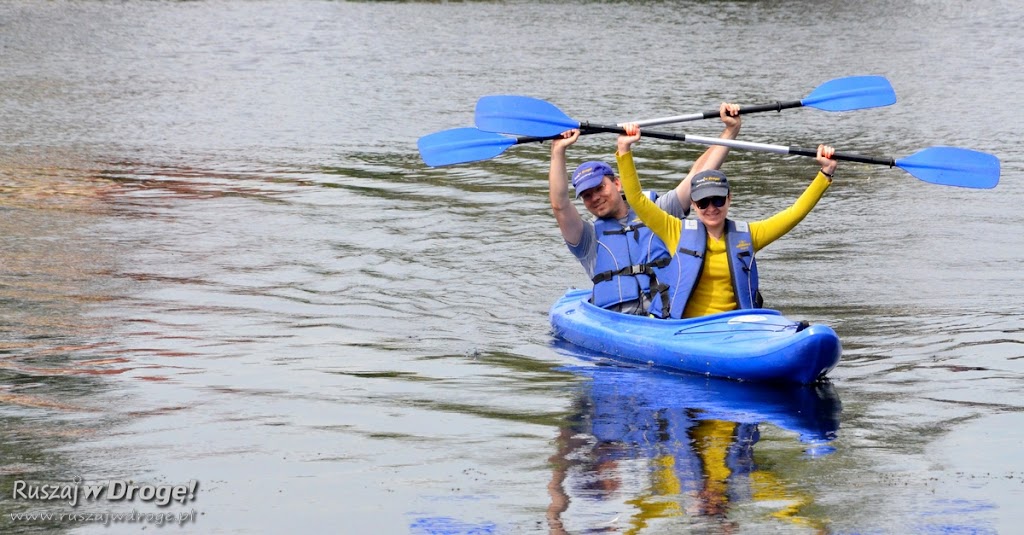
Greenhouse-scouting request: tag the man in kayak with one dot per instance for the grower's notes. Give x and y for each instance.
(619, 254)
(715, 264)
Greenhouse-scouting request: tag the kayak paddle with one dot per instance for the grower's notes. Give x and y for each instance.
(947, 166)
(462, 145)
(842, 94)
(512, 114)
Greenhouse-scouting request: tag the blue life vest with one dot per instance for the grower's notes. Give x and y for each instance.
(682, 276)
(627, 262)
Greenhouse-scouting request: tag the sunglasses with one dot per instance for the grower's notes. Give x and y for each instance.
(717, 201)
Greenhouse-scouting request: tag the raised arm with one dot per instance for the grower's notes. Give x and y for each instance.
(766, 231)
(664, 225)
(569, 221)
(714, 157)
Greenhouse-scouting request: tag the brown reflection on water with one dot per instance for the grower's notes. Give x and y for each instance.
(61, 266)
(26, 400)
(61, 272)
(52, 350)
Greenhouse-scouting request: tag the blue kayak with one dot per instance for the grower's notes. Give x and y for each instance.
(747, 345)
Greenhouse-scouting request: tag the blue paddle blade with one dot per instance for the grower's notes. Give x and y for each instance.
(953, 166)
(522, 116)
(461, 145)
(851, 93)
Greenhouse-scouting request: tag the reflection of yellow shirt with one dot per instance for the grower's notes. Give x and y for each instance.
(714, 292)
(711, 440)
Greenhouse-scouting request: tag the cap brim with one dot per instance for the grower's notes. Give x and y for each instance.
(589, 183)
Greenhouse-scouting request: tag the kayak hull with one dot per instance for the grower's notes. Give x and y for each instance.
(746, 345)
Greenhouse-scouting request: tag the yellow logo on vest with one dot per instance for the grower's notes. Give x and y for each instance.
(743, 244)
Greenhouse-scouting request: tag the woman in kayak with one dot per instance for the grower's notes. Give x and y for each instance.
(714, 269)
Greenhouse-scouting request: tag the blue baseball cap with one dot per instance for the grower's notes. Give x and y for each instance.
(590, 175)
(710, 183)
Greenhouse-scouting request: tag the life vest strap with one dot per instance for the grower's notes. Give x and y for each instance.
(633, 270)
(625, 229)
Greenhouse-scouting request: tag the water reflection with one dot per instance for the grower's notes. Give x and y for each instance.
(223, 259)
(644, 446)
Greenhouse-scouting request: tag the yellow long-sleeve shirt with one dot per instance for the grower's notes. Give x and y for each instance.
(714, 292)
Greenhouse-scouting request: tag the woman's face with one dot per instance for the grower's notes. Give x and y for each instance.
(712, 211)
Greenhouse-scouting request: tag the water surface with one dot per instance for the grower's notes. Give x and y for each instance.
(224, 261)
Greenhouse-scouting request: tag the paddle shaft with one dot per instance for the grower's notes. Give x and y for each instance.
(743, 145)
(535, 139)
(777, 106)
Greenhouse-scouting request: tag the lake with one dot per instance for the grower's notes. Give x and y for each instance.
(229, 283)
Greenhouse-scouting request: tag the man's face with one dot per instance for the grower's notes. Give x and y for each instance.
(603, 200)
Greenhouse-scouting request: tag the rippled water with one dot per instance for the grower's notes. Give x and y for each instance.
(223, 261)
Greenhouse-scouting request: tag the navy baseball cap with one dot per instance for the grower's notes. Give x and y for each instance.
(710, 183)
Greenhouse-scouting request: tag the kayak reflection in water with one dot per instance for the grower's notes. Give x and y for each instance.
(714, 268)
(631, 455)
